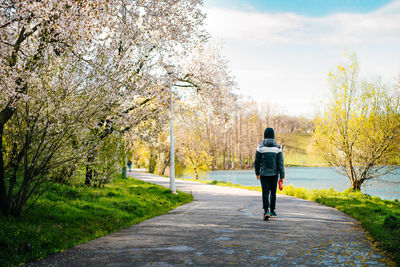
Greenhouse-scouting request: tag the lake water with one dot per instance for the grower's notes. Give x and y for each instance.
(314, 178)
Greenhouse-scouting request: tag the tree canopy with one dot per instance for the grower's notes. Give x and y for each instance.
(77, 77)
(359, 129)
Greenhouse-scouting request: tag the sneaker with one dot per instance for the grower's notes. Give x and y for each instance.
(273, 213)
(266, 216)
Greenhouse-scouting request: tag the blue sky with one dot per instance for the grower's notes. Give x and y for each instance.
(302, 7)
(282, 51)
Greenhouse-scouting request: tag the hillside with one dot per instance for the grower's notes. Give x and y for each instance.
(301, 150)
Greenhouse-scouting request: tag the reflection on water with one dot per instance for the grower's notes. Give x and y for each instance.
(313, 177)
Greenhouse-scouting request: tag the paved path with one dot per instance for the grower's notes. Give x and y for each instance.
(224, 226)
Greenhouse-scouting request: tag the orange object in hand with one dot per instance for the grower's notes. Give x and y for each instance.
(280, 184)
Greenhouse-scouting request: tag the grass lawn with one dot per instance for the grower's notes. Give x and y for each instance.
(381, 218)
(301, 150)
(66, 216)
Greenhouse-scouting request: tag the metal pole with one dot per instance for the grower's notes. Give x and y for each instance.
(172, 160)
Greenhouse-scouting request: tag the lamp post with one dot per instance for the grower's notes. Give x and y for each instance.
(170, 70)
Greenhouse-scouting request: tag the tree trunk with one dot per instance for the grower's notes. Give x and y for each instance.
(3, 196)
(224, 161)
(240, 142)
(5, 116)
(88, 176)
(357, 182)
(152, 161)
(250, 160)
(213, 160)
(196, 173)
(166, 165)
(235, 142)
(356, 185)
(228, 149)
(89, 171)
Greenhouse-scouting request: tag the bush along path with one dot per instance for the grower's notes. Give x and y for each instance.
(67, 216)
(224, 226)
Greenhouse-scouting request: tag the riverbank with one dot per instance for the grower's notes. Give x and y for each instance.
(381, 218)
(67, 216)
(387, 187)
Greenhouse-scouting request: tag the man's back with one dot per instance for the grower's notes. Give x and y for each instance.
(269, 159)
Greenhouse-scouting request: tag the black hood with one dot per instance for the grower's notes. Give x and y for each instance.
(269, 133)
(269, 143)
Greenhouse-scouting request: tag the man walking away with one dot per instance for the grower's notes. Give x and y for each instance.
(268, 165)
(129, 165)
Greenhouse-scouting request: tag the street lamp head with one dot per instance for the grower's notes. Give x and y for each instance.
(170, 69)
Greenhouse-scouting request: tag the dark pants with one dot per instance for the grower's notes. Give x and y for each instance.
(268, 185)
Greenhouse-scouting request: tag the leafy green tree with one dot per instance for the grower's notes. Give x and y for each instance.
(358, 129)
(192, 150)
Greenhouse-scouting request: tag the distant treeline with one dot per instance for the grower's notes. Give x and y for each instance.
(204, 142)
(234, 146)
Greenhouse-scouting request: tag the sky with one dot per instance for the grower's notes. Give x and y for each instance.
(282, 51)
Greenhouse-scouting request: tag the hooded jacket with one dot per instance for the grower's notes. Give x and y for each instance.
(269, 159)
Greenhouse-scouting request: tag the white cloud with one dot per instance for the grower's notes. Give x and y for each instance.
(287, 28)
(285, 57)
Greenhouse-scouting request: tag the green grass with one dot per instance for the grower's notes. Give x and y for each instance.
(301, 150)
(381, 218)
(66, 216)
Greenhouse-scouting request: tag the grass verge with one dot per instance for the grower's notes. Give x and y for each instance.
(67, 216)
(381, 218)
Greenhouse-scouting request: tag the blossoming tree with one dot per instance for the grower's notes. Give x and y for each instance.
(75, 72)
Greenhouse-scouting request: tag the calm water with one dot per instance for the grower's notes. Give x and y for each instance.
(318, 178)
